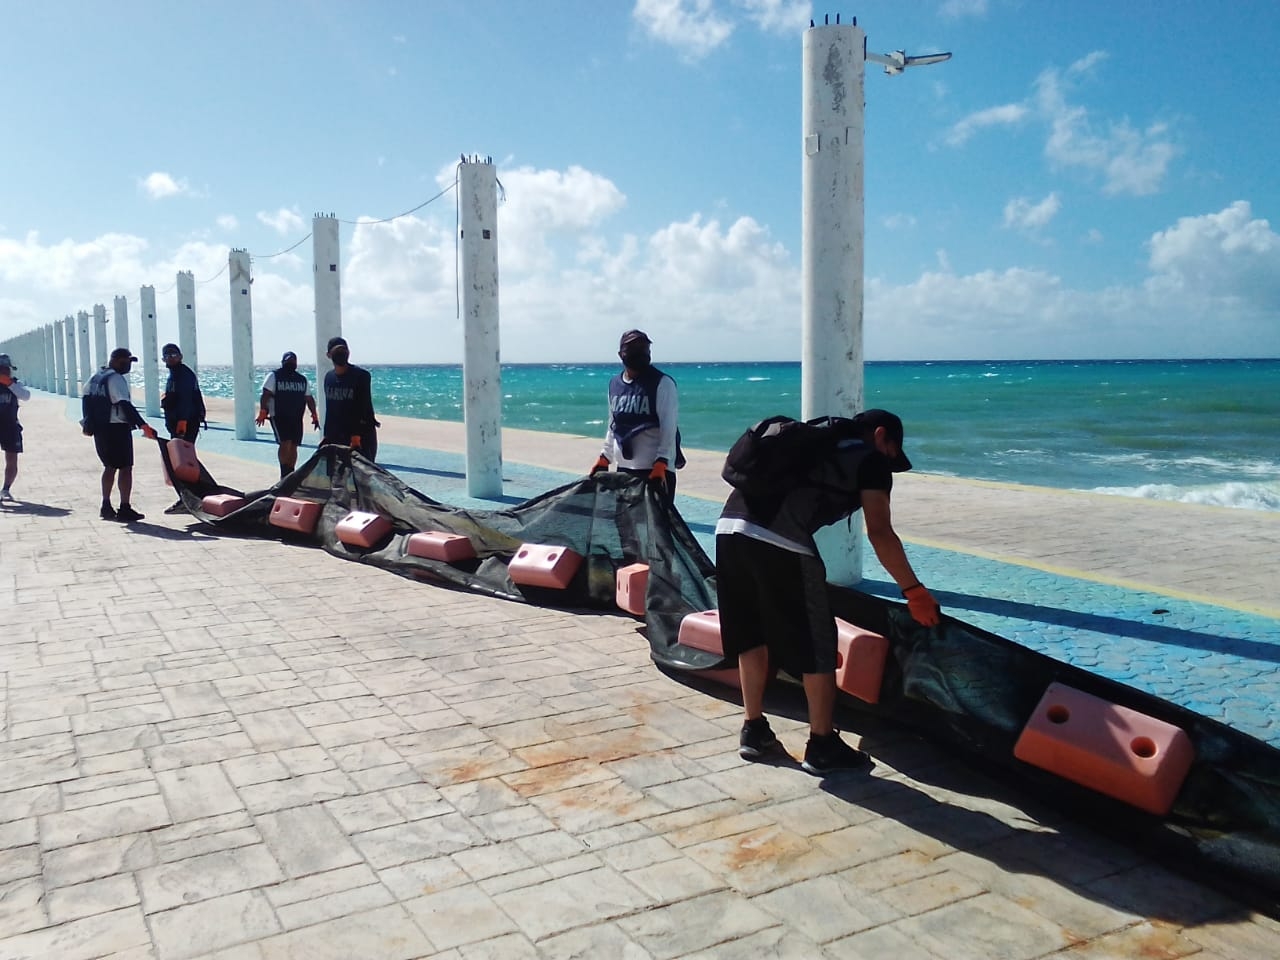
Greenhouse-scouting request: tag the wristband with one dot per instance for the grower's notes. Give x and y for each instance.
(915, 586)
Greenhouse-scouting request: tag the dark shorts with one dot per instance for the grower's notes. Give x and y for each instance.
(11, 438)
(287, 431)
(775, 598)
(114, 444)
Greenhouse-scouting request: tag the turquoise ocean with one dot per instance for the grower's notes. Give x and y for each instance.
(1197, 431)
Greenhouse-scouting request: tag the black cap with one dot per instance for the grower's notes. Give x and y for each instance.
(170, 348)
(336, 342)
(288, 355)
(122, 353)
(6, 362)
(892, 424)
(631, 336)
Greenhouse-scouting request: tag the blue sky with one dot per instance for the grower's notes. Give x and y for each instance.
(1088, 179)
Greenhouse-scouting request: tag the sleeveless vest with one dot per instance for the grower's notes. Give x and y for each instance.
(633, 406)
(96, 404)
(290, 395)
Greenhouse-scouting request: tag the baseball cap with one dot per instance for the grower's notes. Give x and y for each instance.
(169, 349)
(893, 430)
(123, 353)
(288, 355)
(5, 361)
(631, 336)
(336, 342)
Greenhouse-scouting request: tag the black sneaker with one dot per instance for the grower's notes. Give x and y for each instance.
(830, 754)
(178, 507)
(107, 512)
(127, 514)
(756, 739)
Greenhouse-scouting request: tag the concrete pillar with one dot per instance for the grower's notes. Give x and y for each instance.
(50, 376)
(328, 292)
(831, 381)
(100, 335)
(187, 318)
(246, 402)
(60, 359)
(481, 368)
(74, 380)
(87, 369)
(120, 310)
(150, 352)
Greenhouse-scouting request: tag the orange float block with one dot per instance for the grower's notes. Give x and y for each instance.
(359, 529)
(1112, 749)
(438, 545)
(632, 582)
(543, 565)
(860, 661)
(290, 513)
(220, 504)
(701, 631)
(182, 458)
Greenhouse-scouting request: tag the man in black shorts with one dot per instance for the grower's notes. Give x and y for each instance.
(11, 391)
(109, 417)
(285, 395)
(348, 403)
(772, 585)
(182, 402)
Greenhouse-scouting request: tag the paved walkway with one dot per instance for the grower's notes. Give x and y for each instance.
(235, 748)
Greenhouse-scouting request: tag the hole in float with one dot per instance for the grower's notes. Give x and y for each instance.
(1143, 747)
(1058, 714)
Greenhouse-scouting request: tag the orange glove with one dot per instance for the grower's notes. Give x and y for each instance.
(658, 476)
(148, 431)
(602, 463)
(262, 416)
(924, 609)
(182, 428)
(355, 443)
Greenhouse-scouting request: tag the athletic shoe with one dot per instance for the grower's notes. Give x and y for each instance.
(107, 512)
(830, 754)
(178, 507)
(129, 515)
(5, 494)
(756, 739)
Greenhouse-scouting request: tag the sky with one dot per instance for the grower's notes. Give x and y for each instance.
(1081, 180)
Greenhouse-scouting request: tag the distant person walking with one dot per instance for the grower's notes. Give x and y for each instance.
(11, 391)
(286, 393)
(182, 402)
(643, 437)
(348, 403)
(772, 584)
(109, 417)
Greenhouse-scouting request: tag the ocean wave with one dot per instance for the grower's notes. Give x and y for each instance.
(1241, 496)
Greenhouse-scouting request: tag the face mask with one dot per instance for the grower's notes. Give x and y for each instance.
(636, 358)
(340, 356)
(290, 366)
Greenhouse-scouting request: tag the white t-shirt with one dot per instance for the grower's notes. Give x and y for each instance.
(269, 385)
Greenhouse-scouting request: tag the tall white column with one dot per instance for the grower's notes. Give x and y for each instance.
(242, 344)
(187, 319)
(100, 334)
(150, 351)
(328, 291)
(60, 359)
(50, 376)
(74, 378)
(87, 369)
(120, 310)
(831, 254)
(481, 368)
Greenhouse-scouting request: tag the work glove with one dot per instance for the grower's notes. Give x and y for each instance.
(355, 443)
(262, 416)
(924, 609)
(149, 431)
(182, 428)
(658, 476)
(602, 463)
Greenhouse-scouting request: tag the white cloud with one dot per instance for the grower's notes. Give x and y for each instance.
(1226, 254)
(227, 222)
(693, 27)
(1005, 115)
(1021, 214)
(955, 9)
(283, 221)
(899, 221)
(786, 17)
(160, 185)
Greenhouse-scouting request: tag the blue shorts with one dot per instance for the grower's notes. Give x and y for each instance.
(11, 437)
(114, 444)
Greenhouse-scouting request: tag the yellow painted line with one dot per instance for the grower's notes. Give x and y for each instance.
(1259, 610)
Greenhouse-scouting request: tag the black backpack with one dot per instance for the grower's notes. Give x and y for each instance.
(779, 454)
